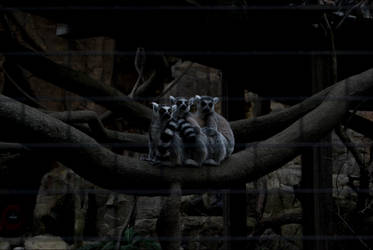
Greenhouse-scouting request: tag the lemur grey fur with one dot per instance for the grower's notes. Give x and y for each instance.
(164, 143)
(195, 142)
(207, 117)
(216, 145)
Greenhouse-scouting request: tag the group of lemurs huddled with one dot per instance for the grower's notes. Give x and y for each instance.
(180, 137)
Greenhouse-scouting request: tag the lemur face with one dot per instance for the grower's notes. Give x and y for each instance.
(164, 112)
(183, 104)
(206, 104)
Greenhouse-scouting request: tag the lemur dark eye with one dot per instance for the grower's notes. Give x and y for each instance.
(179, 103)
(161, 111)
(203, 104)
(210, 104)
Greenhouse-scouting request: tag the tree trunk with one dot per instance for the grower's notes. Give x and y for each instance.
(168, 223)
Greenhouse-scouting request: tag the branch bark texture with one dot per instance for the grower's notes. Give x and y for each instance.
(80, 83)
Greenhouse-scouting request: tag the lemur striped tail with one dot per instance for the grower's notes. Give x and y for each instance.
(187, 131)
(166, 139)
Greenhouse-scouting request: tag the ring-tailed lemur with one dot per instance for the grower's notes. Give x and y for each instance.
(207, 117)
(216, 145)
(195, 143)
(164, 143)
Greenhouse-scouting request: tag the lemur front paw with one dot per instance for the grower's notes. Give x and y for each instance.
(191, 163)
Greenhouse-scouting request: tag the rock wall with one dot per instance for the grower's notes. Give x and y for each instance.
(57, 211)
(92, 56)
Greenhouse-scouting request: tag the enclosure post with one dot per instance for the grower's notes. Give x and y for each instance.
(234, 200)
(316, 184)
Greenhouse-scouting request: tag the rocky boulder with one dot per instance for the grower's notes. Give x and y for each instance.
(66, 203)
(45, 242)
(4, 245)
(200, 232)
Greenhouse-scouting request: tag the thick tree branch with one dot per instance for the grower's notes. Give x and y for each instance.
(108, 170)
(14, 17)
(131, 141)
(12, 146)
(288, 217)
(80, 84)
(85, 116)
(263, 127)
(359, 124)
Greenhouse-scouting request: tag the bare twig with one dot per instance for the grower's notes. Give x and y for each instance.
(176, 80)
(140, 60)
(139, 66)
(347, 14)
(350, 146)
(11, 151)
(338, 191)
(139, 92)
(24, 93)
(359, 124)
(25, 35)
(145, 86)
(332, 45)
(352, 231)
(370, 163)
(364, 174)
(7, 26)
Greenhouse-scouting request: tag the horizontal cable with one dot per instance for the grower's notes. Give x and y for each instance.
(180, 8)
(193, 53)
(255, 145)
(229, 238)
(224, 98)
(79, 190)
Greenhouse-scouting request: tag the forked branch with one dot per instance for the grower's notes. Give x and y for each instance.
(109, 170)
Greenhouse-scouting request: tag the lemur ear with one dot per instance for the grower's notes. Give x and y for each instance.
(172, 99)
(191, 101)
(173, 108)
(197, 98)
(155, 106)
(216, 100)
